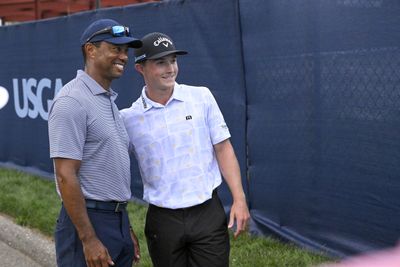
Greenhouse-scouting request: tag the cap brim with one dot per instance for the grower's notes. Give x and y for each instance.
(131, 42)
(166, 53)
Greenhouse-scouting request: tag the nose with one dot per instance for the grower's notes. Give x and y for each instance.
(170, 66)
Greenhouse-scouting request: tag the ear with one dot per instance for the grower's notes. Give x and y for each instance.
(139, 68)
(90, 50)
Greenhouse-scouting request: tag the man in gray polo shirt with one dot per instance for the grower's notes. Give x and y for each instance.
(89, 146)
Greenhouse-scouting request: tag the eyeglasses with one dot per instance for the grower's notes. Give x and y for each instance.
(116, 31)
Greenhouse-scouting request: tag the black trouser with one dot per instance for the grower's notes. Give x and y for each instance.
(196, 236)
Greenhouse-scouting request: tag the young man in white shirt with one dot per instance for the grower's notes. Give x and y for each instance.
(181, 142)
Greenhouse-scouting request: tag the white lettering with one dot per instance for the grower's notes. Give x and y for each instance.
(28, 86)
(32, 100)
(21, 111)
(162, 39)
(44, 83)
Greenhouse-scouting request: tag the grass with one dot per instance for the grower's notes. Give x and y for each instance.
(34, 203)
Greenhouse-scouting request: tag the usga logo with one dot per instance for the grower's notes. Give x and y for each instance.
(31, 96)
(3, 97)
(31, 90)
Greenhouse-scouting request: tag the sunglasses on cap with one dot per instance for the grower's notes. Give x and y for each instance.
(116, 31)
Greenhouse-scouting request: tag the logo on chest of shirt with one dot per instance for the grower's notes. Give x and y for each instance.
(188, 117)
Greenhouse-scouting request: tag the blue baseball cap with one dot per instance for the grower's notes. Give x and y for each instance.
(109, 31)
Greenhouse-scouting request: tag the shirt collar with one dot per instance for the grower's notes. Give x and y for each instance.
(147, 103)
(93, 86)
(179, 93)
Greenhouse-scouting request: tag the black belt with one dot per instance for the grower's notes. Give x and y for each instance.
(214, 194)
(103, 205)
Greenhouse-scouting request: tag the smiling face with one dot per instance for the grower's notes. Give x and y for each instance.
(106, 62)
(159, 74)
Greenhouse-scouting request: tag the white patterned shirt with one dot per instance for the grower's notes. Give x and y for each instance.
(173, 144)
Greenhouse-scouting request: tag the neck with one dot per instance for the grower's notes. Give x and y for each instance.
(105, 83)
(159, 96)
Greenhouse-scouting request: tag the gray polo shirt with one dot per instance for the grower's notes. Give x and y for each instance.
(84, 124)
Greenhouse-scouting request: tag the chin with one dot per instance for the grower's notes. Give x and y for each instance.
(170, 83)
(117, 75)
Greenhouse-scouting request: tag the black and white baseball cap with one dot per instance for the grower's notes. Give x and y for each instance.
(156, 45)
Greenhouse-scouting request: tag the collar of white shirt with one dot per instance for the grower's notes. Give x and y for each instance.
(178, 94)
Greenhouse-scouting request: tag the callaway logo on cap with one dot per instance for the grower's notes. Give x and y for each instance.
(156, 45)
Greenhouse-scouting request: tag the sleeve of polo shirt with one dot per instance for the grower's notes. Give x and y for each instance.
(67, 129)
(219, 131)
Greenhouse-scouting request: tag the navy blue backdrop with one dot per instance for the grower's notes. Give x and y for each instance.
(322, 83)
(309, 89)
